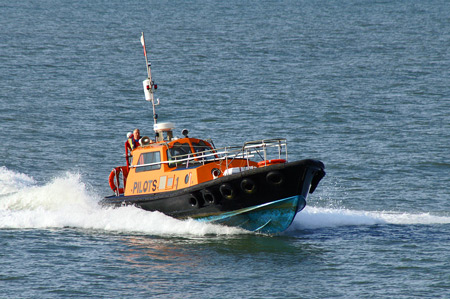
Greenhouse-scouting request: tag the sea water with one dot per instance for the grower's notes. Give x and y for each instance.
(363, 86)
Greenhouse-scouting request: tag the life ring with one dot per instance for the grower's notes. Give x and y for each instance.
(271, 162)
(114, 179)
(208, 196)
(275, 178)
(227, 191)
(248, 186)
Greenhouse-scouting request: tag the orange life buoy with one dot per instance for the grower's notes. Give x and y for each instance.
(271, 162)
(114, 179)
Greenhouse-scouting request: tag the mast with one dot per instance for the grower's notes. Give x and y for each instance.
(149, 85)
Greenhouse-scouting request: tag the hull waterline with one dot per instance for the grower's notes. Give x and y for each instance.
(269, 218)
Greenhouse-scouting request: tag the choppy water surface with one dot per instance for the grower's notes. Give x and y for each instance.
(363, 86)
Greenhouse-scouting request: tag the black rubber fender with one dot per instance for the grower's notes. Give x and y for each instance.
(275, 178)
(209, 197)
(227, 191)
(248, 186)
(194, 201)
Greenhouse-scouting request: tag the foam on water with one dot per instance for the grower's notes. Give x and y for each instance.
(11, 181)
(66, 202)
(313, 217)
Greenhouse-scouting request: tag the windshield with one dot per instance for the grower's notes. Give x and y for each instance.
(148, 158)
(179, 149)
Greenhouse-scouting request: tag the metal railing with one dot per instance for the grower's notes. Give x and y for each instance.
(262, 149)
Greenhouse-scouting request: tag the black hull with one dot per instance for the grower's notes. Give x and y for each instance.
(229, 193)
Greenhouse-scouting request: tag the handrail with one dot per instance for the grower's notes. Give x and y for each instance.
(248, 150)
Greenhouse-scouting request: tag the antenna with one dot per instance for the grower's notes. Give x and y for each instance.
(149, 85)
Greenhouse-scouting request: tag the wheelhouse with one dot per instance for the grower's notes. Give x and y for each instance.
(179, 163)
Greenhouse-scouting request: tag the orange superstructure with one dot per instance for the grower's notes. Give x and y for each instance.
(176, 164)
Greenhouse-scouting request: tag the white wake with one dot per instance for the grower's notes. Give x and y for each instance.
(66, 202)
(313, 218)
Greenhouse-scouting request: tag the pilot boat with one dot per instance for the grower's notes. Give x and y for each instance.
(251, 186)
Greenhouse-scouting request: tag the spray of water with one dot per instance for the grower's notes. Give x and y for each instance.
(67, 202)
(313, 218)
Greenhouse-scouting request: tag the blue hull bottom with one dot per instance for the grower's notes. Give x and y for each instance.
(271, 218)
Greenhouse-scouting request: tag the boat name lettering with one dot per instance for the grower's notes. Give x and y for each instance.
(144, 186)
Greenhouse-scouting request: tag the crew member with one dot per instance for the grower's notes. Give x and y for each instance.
(134, 141)
(131, 143)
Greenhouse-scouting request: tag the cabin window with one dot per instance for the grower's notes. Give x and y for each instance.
(148, 158)
(201, 146)
(179, 149)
